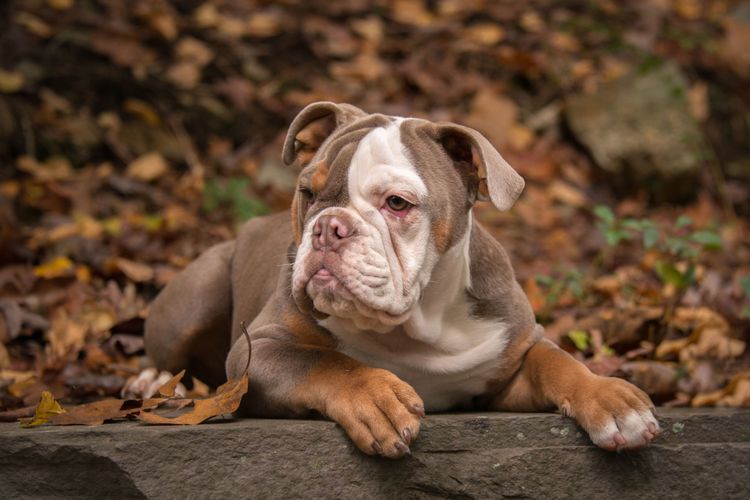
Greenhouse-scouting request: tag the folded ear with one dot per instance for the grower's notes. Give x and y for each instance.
(497, 181)
(312, 126)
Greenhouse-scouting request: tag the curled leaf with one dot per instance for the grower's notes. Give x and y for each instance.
(47, 408)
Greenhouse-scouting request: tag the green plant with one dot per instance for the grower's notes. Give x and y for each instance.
(233, 192)
(571, 281)
(745, 284)
(678, 246)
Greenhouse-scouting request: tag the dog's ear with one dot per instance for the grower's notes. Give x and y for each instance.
(312, 126)
(496, 179)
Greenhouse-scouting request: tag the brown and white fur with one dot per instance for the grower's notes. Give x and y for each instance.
(379, 297)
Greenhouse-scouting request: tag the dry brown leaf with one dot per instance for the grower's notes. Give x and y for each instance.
(621, 326)
(654, 377)
(168, 389)
(66, 335)
(485, 33)
(97, 412)
(226, 400)
(136, 271)
(735, 394)
(148, 167)
(710, 337)
(147, 383)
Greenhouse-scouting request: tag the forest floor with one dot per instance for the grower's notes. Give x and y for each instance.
(134, 135)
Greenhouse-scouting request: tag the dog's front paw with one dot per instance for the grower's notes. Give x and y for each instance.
(616, 414)
(378, 410)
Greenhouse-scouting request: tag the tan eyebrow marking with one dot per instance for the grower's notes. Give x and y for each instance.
(319, 178)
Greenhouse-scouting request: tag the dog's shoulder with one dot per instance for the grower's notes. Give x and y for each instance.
(494, 292)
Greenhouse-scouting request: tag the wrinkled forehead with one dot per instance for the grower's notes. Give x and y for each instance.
(366, 158)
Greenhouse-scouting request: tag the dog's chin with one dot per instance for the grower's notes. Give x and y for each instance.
(327, 296)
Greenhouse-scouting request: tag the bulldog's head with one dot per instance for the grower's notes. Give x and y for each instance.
(379, 199)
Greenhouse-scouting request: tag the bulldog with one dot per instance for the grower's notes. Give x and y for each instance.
(378, 297)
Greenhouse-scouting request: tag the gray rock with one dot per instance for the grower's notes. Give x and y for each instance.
(700, 454)
(639, 129)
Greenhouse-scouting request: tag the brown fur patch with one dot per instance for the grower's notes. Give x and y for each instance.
(305, 330)
(296, 224)
(319, 178)
(441, 234)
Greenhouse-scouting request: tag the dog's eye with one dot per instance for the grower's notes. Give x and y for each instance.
(397, 204)
(308, 197)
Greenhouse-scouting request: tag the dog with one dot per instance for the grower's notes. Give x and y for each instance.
(378, 297)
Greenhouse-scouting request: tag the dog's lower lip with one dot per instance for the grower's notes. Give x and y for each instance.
(323, 274)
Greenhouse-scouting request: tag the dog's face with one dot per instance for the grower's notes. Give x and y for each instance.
(379, 199)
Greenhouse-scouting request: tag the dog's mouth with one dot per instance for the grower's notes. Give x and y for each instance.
(329, 287)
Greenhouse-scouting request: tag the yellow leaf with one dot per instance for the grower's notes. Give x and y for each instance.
(11, 81)
(55, 268)
(45, 410)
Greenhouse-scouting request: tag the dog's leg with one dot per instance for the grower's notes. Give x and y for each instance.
(379, 411)
(189, 323)
(616, 414)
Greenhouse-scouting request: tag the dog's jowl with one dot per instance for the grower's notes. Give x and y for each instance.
(378, 297)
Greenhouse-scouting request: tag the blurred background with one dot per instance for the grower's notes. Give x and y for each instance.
(135, 134)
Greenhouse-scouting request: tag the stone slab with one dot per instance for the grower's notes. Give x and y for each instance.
(701, 454)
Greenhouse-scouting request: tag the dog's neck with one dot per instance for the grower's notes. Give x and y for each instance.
(445, 292)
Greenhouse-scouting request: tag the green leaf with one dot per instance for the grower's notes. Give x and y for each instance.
(669, 274)
(613, 237)
(683, 221)
(580, 338)
(634, 224)
(650, 236)
(709, 239)
(544, 280)
(745, 284)
(605, 213)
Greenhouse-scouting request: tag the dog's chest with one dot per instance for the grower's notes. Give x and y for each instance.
(447, 366)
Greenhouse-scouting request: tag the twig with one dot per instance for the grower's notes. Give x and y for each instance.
(243, 326)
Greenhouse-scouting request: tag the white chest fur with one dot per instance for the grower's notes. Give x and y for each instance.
(445, 373)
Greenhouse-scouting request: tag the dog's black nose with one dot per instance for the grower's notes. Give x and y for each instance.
(329, 231)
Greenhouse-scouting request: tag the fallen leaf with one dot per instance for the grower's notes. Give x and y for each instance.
(655, 377)
(485, 33)
(168, 389)
(147, 383)
(735, 394)
(227, 400)
(45, 410)
(148, 167)
(97, 412)
(136, 271)
(55, 268)
(11, 81)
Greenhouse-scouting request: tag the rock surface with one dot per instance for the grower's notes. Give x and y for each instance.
(700, 454)
(639, 128)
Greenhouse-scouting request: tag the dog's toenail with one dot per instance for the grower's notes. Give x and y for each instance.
(402, 448)
(376, 446)
(406, 433)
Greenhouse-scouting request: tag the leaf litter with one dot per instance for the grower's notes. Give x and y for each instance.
(122, 172)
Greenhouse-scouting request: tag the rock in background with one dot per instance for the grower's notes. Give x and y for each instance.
(639, 129)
